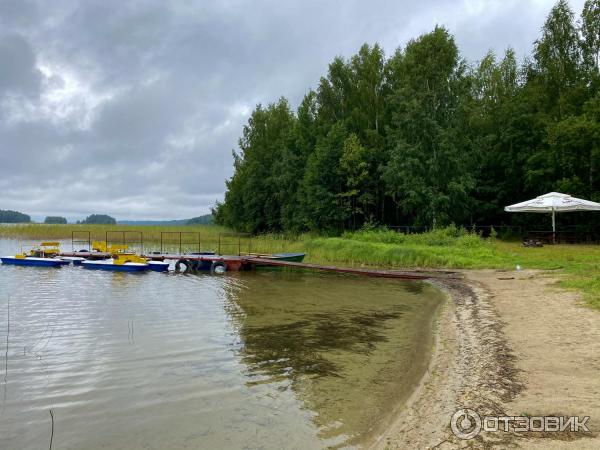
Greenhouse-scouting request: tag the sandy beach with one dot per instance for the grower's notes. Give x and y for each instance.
(507, 344)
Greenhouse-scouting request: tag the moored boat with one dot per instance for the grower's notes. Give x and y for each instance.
(24, 260)
(120, 262)
(290, 257)
(286, 257)
(110, 264)
(42, 255)
(76, 260)
(158, 266)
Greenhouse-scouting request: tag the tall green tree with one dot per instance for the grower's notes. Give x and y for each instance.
(323, 183)
(427, 172)
(254, 196)
(557, 88)
(590, 30)
(290, 168)
(502, 134)
(575, 151)
(558, 59)
(354, 165)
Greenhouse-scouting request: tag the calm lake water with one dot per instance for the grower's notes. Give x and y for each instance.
(259, 360)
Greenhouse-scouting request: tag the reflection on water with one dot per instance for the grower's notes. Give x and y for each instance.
(251, 360)
(349, 348)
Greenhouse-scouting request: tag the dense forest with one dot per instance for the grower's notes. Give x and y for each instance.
(423, 137)
(8, 216)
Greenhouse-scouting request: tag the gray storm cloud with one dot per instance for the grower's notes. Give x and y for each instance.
(133, 108)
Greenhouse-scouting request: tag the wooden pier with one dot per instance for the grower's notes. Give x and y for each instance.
(406, 275)
(243, 262)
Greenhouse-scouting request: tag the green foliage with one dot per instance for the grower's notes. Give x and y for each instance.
(423, 138)
(448, 236)
(558, 55)
(590, 30)
(55, 220)
(8, 216)
(323, 182)
(427, 174)
(98, 219)
(354, 166)
(263, 169)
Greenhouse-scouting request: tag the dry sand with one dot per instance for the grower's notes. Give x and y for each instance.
(507, 343)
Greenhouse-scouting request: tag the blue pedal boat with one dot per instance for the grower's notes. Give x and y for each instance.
(109, 264)
(76, 260)
(21, 260)
(158, 266)
(42, 255)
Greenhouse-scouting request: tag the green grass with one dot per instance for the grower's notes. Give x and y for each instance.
(577, 265)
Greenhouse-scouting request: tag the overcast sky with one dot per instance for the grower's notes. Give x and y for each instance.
(132, 108)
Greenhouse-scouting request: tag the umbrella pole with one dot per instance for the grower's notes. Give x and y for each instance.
(553, 226)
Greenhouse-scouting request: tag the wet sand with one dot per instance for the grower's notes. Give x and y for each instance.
(507, 343)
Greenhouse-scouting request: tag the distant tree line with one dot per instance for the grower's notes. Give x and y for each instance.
(55, 220)
(98, 219)
(8, 216)
(206, 219)
(424, 138)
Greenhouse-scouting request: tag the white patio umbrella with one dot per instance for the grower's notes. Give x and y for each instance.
(554, 202)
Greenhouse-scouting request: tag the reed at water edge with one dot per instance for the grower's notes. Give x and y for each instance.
(193, 237)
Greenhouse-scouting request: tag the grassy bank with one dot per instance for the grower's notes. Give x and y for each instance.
(578, 265)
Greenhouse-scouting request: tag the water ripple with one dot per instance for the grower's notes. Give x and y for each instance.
(261, 360)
